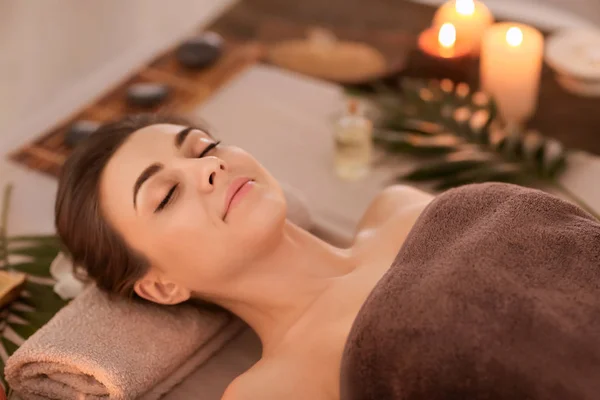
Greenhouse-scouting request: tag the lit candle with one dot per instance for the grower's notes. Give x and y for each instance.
(470, 18)
(445, 56)
(442, 42)
(447, 40)
(511, 64)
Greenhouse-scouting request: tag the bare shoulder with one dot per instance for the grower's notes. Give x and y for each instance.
(242, 387)
(399, 196)
(233, 391)
(391, 202)
(264, 380)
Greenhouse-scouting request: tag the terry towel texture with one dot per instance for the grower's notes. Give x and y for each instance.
(495, 295)
(96, 348)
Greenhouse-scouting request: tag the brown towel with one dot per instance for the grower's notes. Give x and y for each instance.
(96, 348)
(495, 295)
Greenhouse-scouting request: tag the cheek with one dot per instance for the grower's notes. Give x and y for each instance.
(240, 160)
(187, 247)
(259, 224)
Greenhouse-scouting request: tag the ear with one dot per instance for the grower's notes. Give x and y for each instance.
(161, 291)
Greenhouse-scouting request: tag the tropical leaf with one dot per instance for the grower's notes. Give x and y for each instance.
(9, 346)
(2, 381)
(36, 319)
(32, 268)
(39, 239)
(24, 330)
(491, 173)
(422, 127)
(449, 164)
(37, 302)
(455, 128)
(42, 297)
(37, 251)
(417, 144)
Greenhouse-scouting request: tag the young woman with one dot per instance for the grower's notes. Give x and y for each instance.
(158, 209)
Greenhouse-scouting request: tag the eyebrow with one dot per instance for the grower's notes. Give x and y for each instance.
(154, 168)
(180, 137)
(144, 176)
(183, 134)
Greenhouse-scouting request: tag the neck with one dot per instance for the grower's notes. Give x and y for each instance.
(286, 283)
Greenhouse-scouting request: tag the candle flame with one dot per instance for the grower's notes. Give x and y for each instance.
(447, 35)
(514, 36)
(465, 7)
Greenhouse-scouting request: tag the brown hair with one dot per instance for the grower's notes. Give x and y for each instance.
(95, 248)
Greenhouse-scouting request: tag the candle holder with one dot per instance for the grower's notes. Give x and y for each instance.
(439, 55)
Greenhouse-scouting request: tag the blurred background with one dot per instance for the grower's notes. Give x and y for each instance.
(63, 61)
(49, 47)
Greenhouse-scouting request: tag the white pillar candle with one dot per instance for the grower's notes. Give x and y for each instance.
(511, 65)
(470, 18)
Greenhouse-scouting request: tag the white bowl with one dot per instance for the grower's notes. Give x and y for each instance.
(575, 54)
(578, 86)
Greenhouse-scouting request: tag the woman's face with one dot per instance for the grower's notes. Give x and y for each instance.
(199, 212)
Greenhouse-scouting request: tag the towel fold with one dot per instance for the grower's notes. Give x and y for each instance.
(101, 348)
(495, 295)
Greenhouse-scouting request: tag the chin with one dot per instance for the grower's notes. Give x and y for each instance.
(259, 219)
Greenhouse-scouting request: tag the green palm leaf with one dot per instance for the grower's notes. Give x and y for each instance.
(449, 165)
(9, 346)
(455, 128)
(36, 251)
(36, 318)
(37, 302)
(42, 297)
(417, 144)
(2, 381)
(32, 268)
(40, 239)
(24, 330)
(422, 127)
(492, 173)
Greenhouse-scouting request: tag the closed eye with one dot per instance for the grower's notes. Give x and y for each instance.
(171, 192)
(167, 199)
(209, 148)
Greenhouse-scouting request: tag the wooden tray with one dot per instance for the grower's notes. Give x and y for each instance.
(49, 151)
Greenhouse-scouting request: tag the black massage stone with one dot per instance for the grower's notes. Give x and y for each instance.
(80, 131)
(147, 95)
(200, 51)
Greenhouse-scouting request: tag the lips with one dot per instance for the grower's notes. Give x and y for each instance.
(233, 189)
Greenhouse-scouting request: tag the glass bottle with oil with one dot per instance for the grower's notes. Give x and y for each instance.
(353, 144)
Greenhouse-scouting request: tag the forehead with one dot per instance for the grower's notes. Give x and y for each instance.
(151, 144)
(147, 145)
(143, 141)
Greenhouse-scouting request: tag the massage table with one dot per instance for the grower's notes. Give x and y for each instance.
(276, 109)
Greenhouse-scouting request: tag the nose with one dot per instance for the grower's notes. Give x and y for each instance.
(210, 170)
